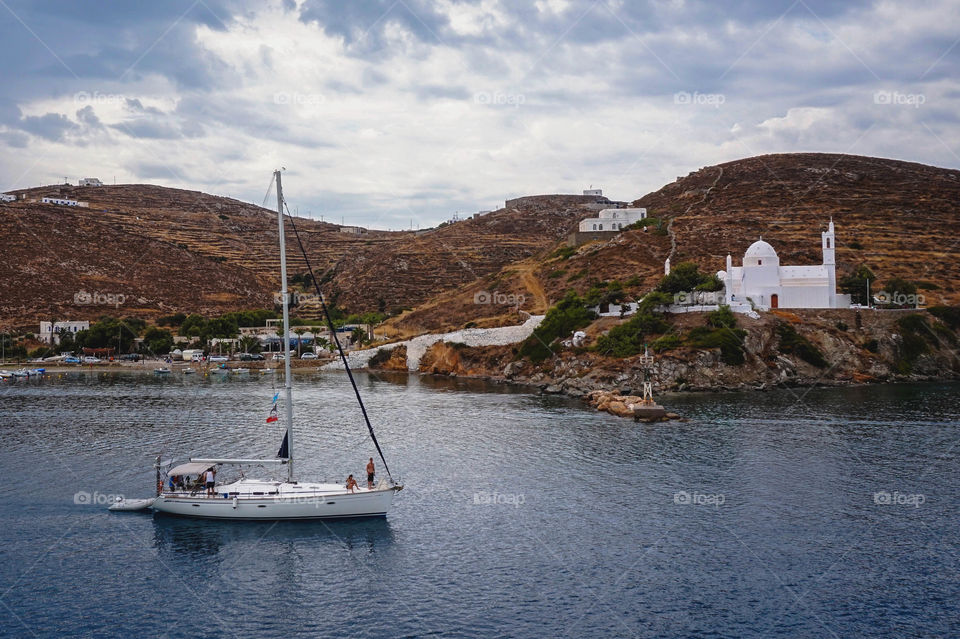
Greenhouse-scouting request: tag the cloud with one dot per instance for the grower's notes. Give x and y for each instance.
(387, 110)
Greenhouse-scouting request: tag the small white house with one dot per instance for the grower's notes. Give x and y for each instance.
(50, 332)
(613, 219)
(353, 230)
(62, 201)
(595, 192)
(90, 182)
(8, 197)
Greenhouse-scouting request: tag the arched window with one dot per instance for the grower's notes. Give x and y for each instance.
(759, 262)
(594, 227)
(828, 242)
(601, 227)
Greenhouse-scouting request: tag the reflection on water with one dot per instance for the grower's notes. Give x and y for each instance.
(184, 537)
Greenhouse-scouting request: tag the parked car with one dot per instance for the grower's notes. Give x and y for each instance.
(279, 356)
(218, 358)
(71, 360)
(251, 357)
(90, 359)
(130, 357)
(308, 355)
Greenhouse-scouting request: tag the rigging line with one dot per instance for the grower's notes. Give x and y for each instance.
(336, 340)
(269, 189)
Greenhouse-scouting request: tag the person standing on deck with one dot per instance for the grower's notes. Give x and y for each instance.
(211, 481)
(371, 471)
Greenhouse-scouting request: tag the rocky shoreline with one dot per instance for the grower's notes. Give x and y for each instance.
(856, 350)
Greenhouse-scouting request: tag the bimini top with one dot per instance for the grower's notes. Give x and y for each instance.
(190, 468)
(760, 249)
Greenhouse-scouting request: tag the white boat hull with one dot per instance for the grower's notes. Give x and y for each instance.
(328, 504)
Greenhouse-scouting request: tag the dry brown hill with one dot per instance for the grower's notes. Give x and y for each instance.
(162, 250)
(899, 218)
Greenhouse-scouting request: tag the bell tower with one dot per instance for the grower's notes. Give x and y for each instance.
(829, 245)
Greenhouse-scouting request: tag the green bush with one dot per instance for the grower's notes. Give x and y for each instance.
(666, 343)
(564, 252)
(566, 316)
(872, 345)
(793, 342)
(728, 340)
(557, 273)
(629, 338)
(722, 318)
(604, 293)
(157, 341)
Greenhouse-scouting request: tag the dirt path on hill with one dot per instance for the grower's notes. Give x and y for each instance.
(533, 285)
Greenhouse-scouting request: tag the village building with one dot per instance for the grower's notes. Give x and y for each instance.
(63, 201)
(8, 197)
(613, 219)
(90, 182)
(50, 332)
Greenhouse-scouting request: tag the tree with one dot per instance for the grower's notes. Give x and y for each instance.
(299, 332)
(157, 341)
(855, 284)
(193, 326)
(249, 344)
(686, 277)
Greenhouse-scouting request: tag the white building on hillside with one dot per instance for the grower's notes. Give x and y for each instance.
(8, 197)
(594, 192)
(63, 201)
(90, 182)
(764, 282)
(612, 220)
(50, 332)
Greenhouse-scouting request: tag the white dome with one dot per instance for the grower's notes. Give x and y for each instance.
(760, 249)
(722, 275)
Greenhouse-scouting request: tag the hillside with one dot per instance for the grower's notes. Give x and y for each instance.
(896, 217)
(160, 250)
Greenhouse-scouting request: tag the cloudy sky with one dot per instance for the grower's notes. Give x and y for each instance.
(387, 111)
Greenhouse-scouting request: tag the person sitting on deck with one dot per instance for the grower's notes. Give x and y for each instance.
(351, 483)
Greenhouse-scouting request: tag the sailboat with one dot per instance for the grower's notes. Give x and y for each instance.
(269, 499)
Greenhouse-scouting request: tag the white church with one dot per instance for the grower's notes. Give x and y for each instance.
(763, 281)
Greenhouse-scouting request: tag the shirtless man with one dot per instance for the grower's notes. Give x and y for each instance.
(371, 471)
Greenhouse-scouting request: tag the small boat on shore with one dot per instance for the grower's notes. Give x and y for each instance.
(161, 371)
(188, 371)
(6, 375)
(241, 371)
(21, 373)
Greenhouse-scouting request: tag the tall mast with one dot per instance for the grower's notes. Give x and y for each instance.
(288, 382)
